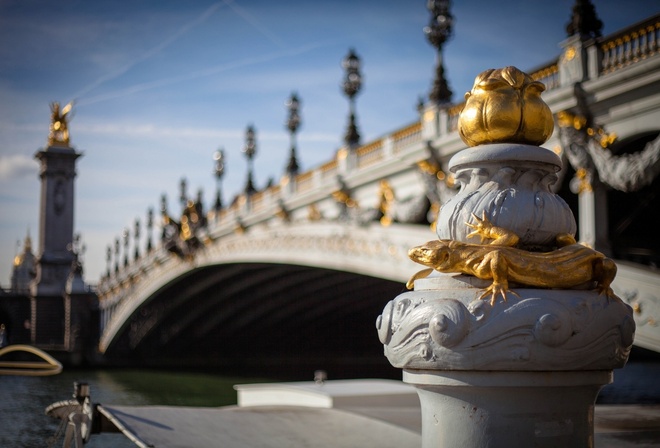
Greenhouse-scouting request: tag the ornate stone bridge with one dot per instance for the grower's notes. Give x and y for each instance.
(325, 249)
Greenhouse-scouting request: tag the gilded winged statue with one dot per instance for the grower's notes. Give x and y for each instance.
(59, 126)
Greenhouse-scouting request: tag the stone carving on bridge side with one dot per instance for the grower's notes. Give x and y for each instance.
(439, 186)
(552, 324)
(587, 149)
(411, 210)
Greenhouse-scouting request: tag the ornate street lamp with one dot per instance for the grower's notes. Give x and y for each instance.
(125, 235)
(150, 227)
(183, 192)
(438, 32)
(136, 235)
(249, 150)
(352, 85)
(117, 255)
(292, 124)
(108, 259)
(584, 21)
(219, 171)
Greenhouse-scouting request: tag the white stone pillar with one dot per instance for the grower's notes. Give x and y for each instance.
(507, 409)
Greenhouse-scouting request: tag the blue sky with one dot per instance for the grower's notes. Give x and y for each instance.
(161, 84)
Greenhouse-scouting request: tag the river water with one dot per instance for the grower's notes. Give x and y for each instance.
(23, 422)
(23, 400)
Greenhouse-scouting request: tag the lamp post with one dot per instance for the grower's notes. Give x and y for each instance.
(136, 235)
(219, 171)
(351, 86)
(292, 124)
(438, 32)
(125, 235)
(183, 192)
(117, 255)
(249, 150)
(150, 226)
(108, 259)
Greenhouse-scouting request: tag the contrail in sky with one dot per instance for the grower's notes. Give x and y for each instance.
(120, 71)
(255, 23)
(184, 29)
(198, 74)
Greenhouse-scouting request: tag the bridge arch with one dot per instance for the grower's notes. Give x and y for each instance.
(324, 282)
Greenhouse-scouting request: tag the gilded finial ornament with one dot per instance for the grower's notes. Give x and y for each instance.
(59, 125)
(505, 106)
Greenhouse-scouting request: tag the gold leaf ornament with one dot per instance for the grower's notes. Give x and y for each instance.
(505, 106)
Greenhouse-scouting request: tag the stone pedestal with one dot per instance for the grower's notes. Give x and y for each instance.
(520, 371)
(507, 409)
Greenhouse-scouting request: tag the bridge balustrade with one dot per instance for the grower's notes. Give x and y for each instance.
(630, 45)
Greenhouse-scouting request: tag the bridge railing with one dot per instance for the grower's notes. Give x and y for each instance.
(630, 45)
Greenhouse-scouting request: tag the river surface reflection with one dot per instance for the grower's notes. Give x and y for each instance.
(23, 400)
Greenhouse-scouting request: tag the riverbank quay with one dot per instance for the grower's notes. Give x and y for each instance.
(339, 413)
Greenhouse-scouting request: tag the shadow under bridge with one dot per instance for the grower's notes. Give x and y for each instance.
(277, 319)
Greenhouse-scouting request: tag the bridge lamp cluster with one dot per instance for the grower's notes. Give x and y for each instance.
(219, 172)
(352, 85)
(438, 32)
(250, 150)
(292, 124)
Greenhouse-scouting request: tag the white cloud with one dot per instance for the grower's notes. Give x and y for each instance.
(17, 166)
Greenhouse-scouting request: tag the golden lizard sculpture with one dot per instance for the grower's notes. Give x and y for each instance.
(570, 265)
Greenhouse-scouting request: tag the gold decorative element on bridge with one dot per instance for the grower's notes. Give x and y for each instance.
(428, 116)
(189, 220)
(570, 265)
(505, 106)
(282, 212)
(584, 182)
(570, 53)
(430, 167)
(59, 124)
(387, 198)
(343, 196)
(313, 213)
(567, 119)
(239, 228)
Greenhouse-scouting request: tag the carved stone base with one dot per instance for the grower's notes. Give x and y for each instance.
(444, 325)
(507, 409)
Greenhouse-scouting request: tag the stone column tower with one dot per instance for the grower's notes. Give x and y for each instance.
(55, 257)
(58, 171)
